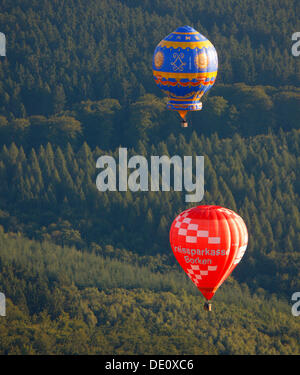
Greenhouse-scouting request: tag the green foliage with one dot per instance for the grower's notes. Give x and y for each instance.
(63, 301)
(86, 272)
(50, 194)
(69, 52)
(248, 110)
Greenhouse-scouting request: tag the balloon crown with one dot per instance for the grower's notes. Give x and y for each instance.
(185, 29)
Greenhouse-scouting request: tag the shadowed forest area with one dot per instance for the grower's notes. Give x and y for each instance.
(89, 272)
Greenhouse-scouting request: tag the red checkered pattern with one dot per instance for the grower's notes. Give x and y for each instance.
(208, 242)
(195, 274)
(191, 232)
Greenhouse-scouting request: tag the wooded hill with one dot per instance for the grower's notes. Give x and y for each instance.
(64, 52)
(50, 194)
(63, 301)
(90, 272)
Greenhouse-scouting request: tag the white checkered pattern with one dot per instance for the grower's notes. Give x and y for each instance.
(191, 231)
(195, 274)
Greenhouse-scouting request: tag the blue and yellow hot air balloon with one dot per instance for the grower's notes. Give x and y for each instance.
(185, 66)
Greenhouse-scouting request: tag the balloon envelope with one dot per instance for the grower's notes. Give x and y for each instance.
(185, 65)
(208, 242)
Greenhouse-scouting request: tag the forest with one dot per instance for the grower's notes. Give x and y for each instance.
(89, 272)
(62, 301)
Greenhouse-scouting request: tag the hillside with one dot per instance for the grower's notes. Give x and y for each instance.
(92, 272)
(51, 194)
(63, 301)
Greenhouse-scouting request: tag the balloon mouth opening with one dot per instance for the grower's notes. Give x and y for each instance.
(182, 114)
(184, 123)
(208, 293)
(183, 108)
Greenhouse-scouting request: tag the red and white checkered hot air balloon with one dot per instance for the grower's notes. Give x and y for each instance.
(208, 242)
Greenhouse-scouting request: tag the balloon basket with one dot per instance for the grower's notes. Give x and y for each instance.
(184, 124)
(207, 306)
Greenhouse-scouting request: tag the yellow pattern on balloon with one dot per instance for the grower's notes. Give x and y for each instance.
(158, 59)
(201, 60)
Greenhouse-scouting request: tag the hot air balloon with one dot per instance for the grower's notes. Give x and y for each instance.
(185, 66)
(208, 242)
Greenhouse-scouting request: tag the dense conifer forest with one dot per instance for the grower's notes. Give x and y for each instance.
(89, 272)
